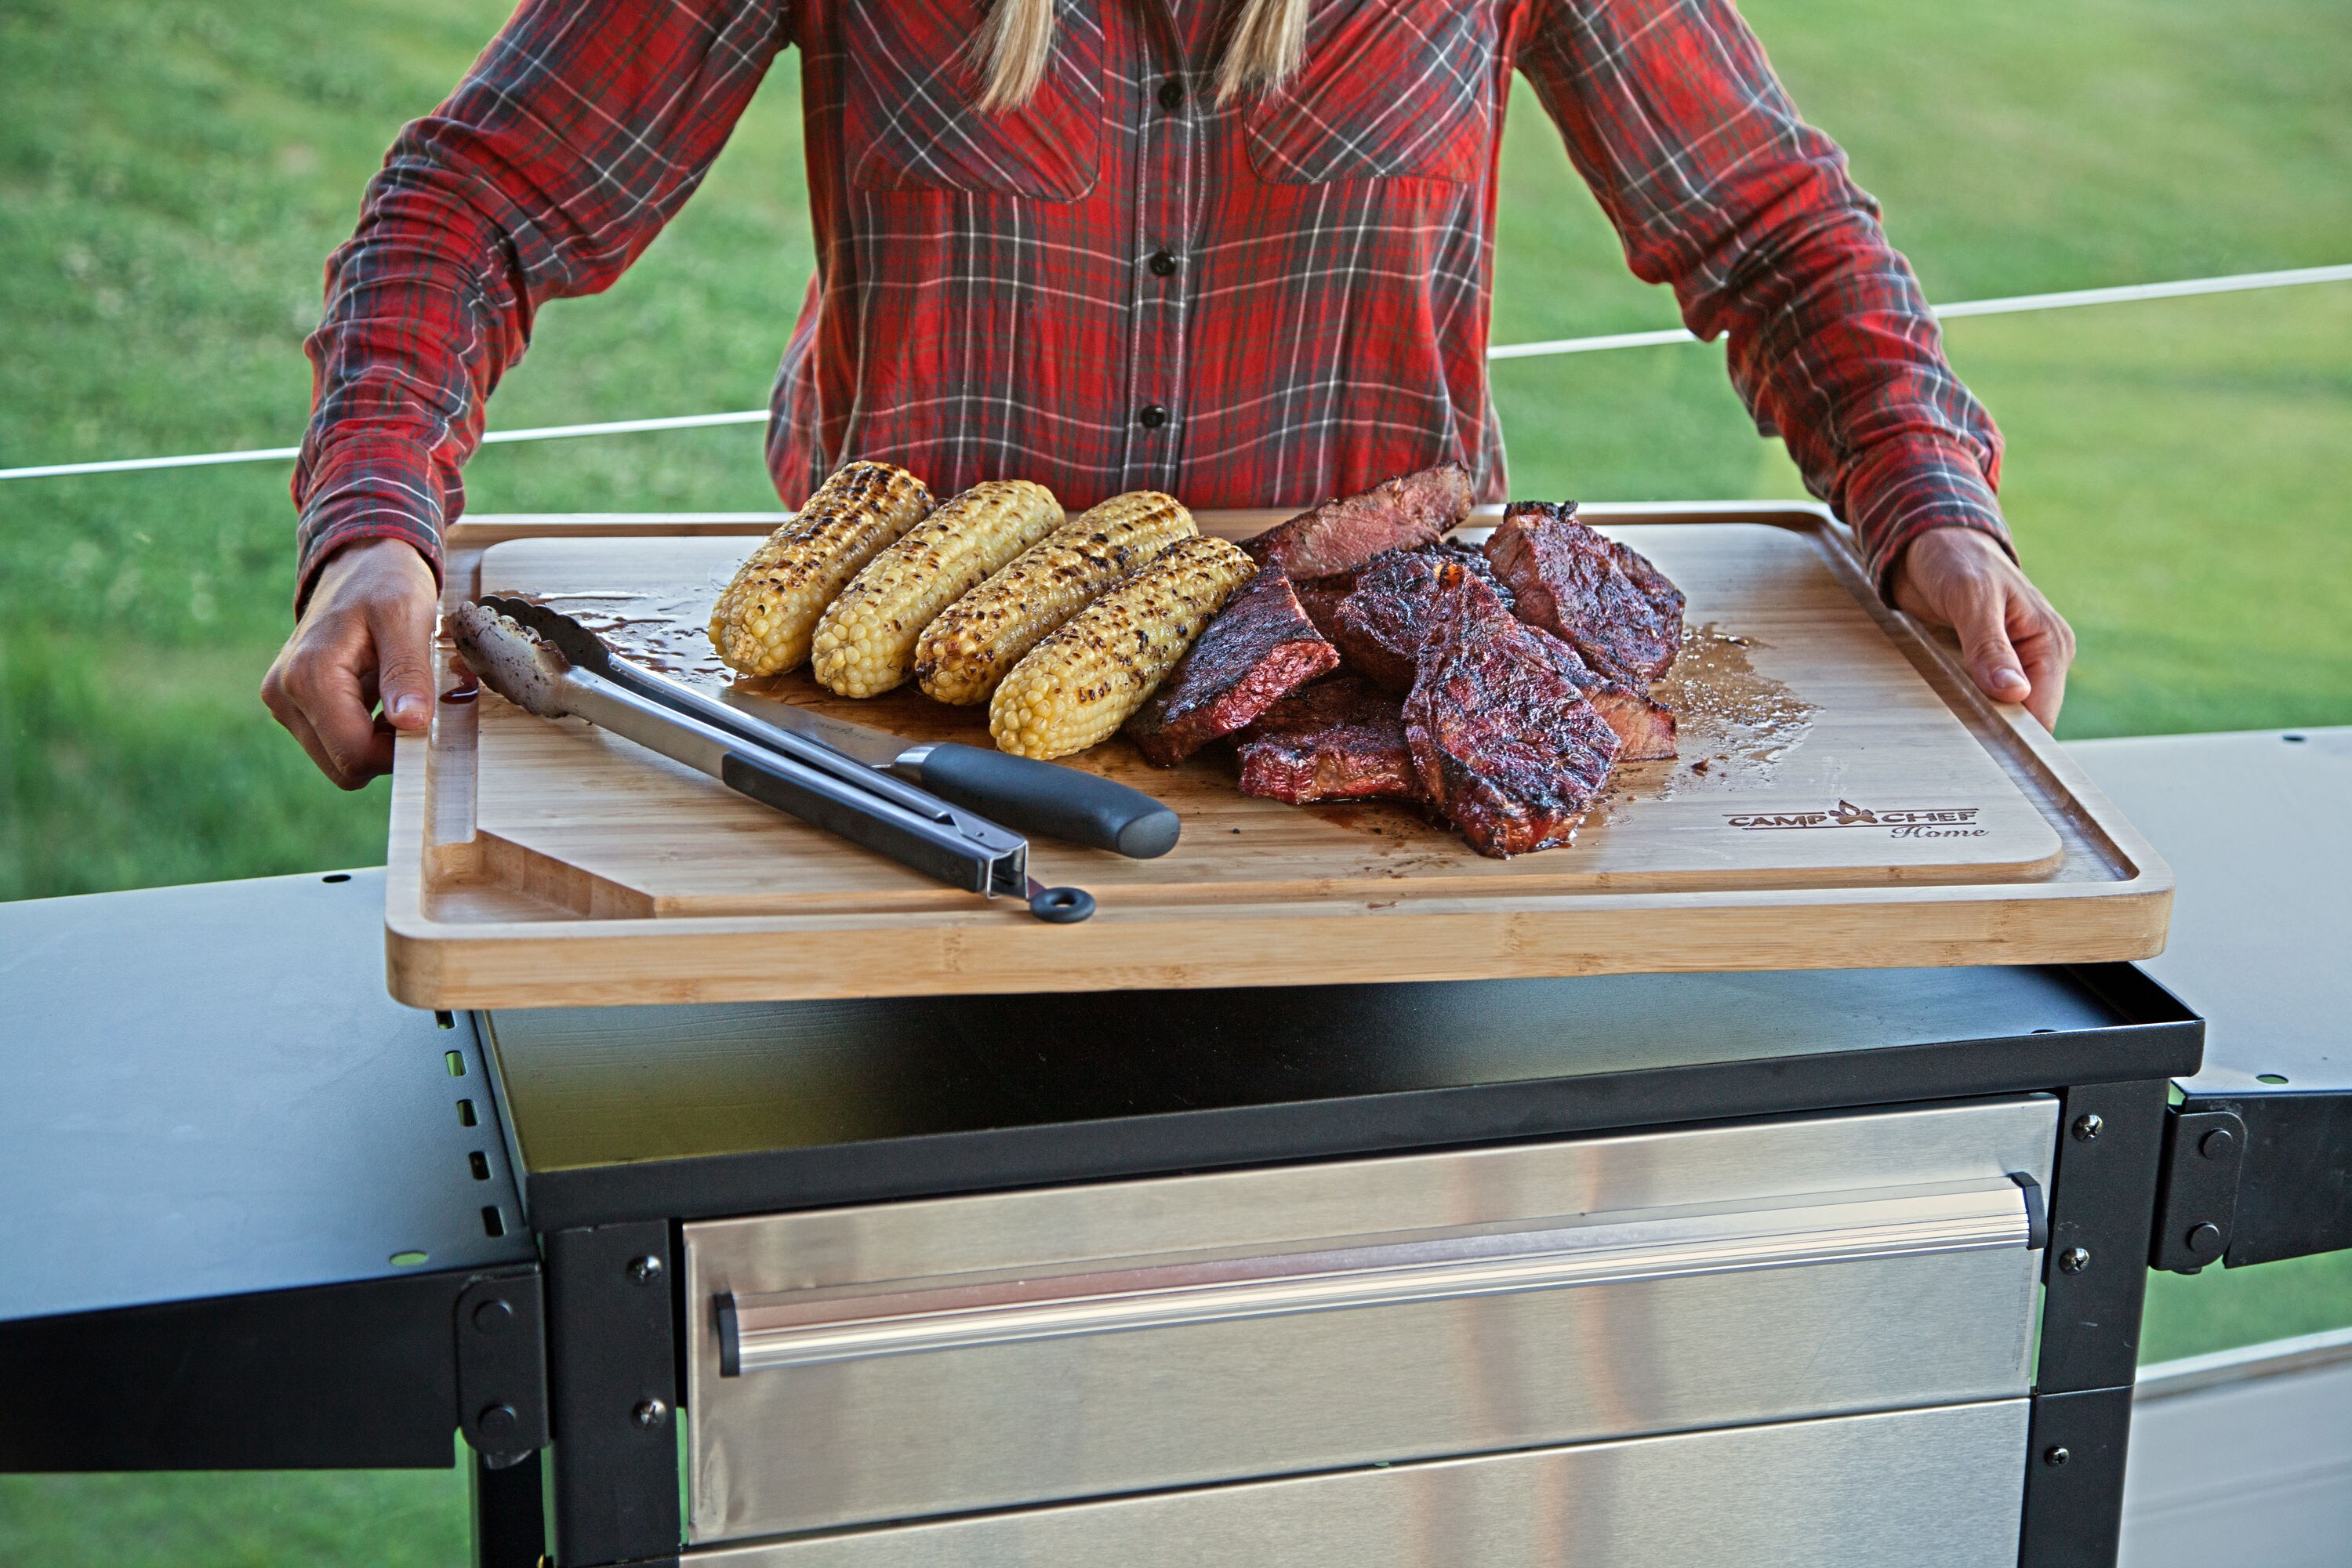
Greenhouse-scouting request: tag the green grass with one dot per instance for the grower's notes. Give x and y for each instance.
(383, 1518)
(172, 175)
(2223, 1308)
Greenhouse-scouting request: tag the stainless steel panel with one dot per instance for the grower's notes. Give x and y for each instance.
(1681, 1335)
(2244, 1457)
(1925, 1488)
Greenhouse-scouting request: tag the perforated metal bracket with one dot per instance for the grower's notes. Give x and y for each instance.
(500, 1324)
(2197, 1194)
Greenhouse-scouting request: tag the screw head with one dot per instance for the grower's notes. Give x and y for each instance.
(496, 1424)
(2204, 1240)
(649, 1413)
(2088, 1126)
(644, 1270)
(493, 1317)
(2074, 1259)
(2055, 1456)
(2217, 1144)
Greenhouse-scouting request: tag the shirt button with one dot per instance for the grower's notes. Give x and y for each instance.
(1171, 94)
(1151, 416)
(1163, 264)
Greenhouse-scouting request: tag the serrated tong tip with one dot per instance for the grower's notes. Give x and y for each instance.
(511, 658)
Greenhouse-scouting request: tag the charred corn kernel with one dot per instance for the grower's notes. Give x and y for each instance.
(1079, 685)
(866, 643)
(762, 623)
(964, 653)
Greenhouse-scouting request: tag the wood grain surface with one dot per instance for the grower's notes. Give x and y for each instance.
(1841, 798)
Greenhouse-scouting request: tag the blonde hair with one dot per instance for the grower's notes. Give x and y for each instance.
(1268, 43)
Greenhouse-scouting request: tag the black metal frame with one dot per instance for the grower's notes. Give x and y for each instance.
(2197, 1189)
(510, 1527)
(563, 1374)
(502, 1336)
(360, 1376)
(613, 1491)
(2102, 1207)
(2159, 1038)
(2289, 1191)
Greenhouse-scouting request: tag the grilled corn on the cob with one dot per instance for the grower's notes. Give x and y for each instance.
(965, 652)
(1079, 685)
(762, 623)
(866, 643)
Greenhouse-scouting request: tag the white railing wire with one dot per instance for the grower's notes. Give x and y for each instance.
(2126, 294)
(2237, 283)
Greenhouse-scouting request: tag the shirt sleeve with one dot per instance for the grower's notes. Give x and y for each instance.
(1673, 115)
(576, 135)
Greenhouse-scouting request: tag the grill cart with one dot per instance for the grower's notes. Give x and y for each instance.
(1461, 1241)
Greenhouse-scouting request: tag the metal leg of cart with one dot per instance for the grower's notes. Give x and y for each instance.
(2103, 1200)
(509, 1523)
(613, 1467)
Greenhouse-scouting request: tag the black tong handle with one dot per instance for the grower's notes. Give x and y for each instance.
(933, 850)
(1044, 798)
(817, 798)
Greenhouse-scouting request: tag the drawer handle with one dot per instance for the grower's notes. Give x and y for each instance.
(808, 1327)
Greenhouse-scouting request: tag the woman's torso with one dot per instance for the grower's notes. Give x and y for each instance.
(1125, 285)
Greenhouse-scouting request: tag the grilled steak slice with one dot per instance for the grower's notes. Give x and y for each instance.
(1505, 745)
(1320, 597)
(1260, 647)
(1604, 600)
(1473, 556)
(1341, 739)
(1390, 616)
(1645, 728)
(1398, 603)
(1340, 535)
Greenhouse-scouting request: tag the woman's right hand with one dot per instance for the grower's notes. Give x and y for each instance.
(367, 634)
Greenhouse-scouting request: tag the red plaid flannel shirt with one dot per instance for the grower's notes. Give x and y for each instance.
(1124, 286)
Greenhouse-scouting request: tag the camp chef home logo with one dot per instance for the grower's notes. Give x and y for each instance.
(1912, 822)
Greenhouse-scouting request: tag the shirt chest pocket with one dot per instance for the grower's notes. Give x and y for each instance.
(912, 113)
(1390, 88)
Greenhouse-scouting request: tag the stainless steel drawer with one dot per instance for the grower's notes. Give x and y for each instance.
(906, 1360)
(1925, 1488)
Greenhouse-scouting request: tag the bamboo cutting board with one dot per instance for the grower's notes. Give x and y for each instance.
(1842, 798)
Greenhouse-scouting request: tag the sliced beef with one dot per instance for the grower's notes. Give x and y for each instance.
(1603, 599)
(1402, 601)
(1259, 648)
(1394, 607)
(1645, 728)
(1505, 743)
(1320, 597)
(1341, 739)
(1393, 610)
(1340, 535)
(1473, 556)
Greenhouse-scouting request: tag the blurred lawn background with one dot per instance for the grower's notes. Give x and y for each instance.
(172, 176)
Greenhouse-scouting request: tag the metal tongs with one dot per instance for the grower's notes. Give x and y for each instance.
(549, 664)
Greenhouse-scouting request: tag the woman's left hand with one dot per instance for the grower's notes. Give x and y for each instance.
(2016, 646)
